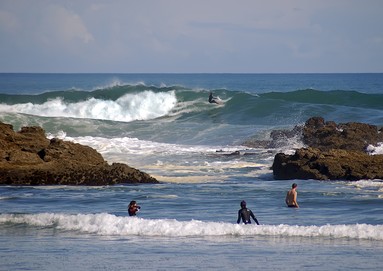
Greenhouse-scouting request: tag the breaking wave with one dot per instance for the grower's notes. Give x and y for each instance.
(108, 224)
(129, 107)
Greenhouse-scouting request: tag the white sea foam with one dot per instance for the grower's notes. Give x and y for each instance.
(378, 149)
(200, 166)
(368, 183)
(371, 186)
(107, 224)
(140, 106)
(116, 82)
(6, 197)
(136, 146)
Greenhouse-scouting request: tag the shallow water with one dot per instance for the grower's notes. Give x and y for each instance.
(188, 222)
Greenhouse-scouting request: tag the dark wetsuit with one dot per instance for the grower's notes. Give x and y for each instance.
(212, 99)
(245, 215)
(132, 210)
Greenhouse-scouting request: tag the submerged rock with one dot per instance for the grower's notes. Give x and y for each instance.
(335, 152)
(277, 138)
(27, 157)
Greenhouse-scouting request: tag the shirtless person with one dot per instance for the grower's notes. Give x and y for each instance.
(291, 197)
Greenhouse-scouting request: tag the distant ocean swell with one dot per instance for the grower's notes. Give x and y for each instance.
(108, 224)
(139, 102)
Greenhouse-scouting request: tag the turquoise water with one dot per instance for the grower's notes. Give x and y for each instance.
(164, 125)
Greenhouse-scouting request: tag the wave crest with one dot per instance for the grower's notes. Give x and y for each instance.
(108, 224)
(129, 107)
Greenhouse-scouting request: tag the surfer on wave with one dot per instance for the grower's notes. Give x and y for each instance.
(213, 99)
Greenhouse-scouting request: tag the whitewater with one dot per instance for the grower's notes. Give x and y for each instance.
(111, 225)
(164, 125)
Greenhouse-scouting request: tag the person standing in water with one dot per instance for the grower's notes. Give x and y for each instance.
(245, 214)
(133, 208)
(291, 197)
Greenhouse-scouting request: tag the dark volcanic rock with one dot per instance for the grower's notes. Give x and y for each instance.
(347, 136)
(278, 138)
(336, 152)
(27, 157)
(335, 164)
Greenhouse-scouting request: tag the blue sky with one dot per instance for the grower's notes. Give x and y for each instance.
(204, 36)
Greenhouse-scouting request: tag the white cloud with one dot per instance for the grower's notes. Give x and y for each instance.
(192, 36)
(62, 25)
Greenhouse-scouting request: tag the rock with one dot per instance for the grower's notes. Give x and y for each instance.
(335, 164)
(27, 157)
(335, 152)
(347, 136)
(278, 138)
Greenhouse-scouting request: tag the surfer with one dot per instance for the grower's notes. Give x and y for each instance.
(291, 196)
(213, 99)
(245, 214)
(133, 208)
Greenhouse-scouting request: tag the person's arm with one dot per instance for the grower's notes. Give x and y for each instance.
(253, 216)
(295, 199)
(239, 217)
(287, 198)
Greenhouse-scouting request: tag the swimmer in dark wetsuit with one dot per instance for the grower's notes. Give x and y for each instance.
(213, 99)
(245, 214)
(133, 208)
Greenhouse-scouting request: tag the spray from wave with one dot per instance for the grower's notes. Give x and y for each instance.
(129, 107)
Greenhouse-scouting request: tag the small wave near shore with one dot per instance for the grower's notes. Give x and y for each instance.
(108, 224)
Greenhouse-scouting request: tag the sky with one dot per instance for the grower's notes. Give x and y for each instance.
(191, 36)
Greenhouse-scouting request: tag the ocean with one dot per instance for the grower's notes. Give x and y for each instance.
(164, 125)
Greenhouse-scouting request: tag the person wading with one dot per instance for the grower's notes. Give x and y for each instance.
(245, 214)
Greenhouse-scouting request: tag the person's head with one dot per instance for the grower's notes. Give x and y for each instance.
(243, 204)
(294, 185)
(132, 203)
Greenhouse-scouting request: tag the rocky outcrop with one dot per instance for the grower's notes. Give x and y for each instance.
(278, 138)
(335, 152)
(353, 136)
(334, 164)
(27, 157)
